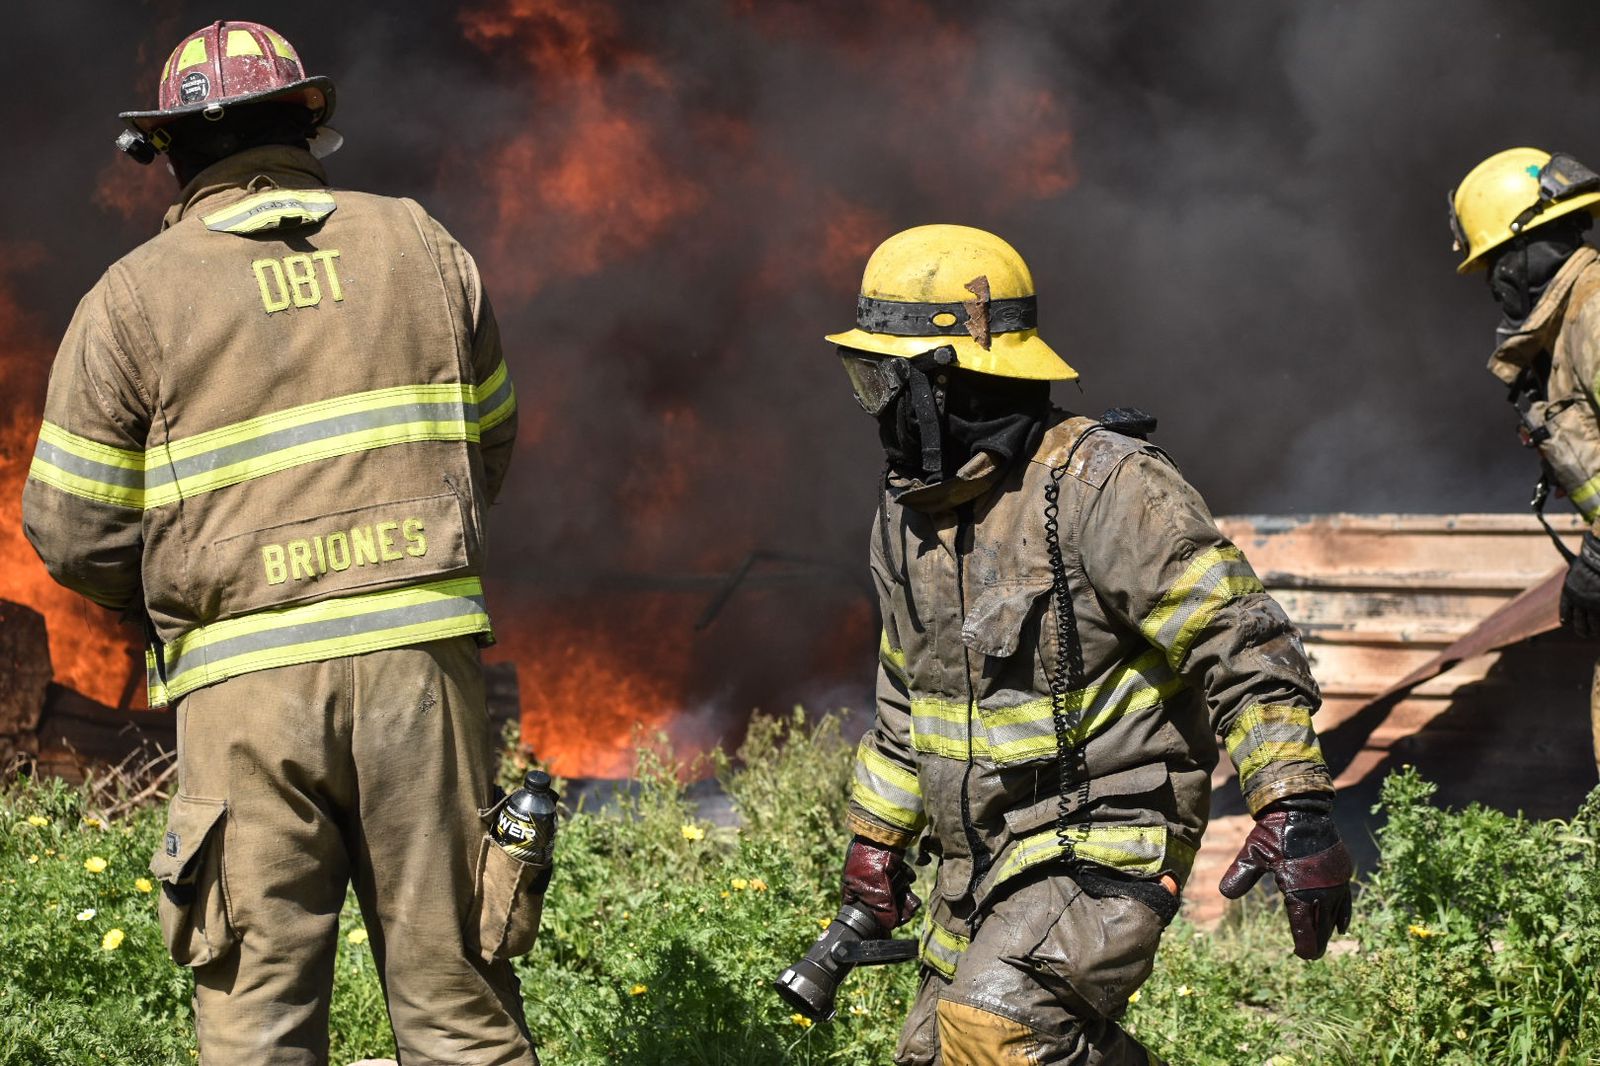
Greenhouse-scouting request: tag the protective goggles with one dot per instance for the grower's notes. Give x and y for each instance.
(878, 379)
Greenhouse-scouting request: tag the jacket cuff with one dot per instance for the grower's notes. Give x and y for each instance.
(1268, 793)
(862, 825)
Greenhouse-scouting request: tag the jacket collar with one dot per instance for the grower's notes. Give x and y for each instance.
(270, 166)
(976, 477)
(1538, 333)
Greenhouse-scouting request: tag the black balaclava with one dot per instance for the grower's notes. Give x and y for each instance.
(1518, 275)
(978, 412)
(198, 142)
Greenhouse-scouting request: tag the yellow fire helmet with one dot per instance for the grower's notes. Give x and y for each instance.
(1510, 193)
(953, 286)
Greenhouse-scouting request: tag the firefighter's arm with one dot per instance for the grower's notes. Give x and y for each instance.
(491, 382)
(1158, 560)
(885, 798)
(1564, 426)
(83, 502)
(1569, 437)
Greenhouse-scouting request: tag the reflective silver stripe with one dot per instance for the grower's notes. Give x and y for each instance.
(348, 625)
(1138, 850)
(79, 466)
(176, 470)
(1213, 578)
(942, 949)
(1026, 730)
(499, 402)
(888, 790)
(940, 727)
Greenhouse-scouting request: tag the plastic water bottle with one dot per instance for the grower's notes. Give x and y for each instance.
(526, 826)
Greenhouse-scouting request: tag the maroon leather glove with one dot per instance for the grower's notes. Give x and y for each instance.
(1297, 841)
(878, 878)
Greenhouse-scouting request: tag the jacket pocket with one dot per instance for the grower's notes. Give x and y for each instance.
(190, 866)
(994, 624)
(507, 899)
(362, 549)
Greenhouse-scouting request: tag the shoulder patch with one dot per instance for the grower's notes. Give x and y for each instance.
(1088, 449)
(273, 209)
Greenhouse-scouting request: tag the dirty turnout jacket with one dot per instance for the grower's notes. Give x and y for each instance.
(1565, 323)
(1180, 646)
(274, 429)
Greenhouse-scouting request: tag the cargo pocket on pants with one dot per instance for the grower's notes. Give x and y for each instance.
(189, 865)
(507, 900)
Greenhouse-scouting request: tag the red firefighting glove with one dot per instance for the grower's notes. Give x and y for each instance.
(1296, 840)
(1580, 594)
(879, 878)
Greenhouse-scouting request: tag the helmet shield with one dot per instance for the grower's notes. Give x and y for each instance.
(876, 379)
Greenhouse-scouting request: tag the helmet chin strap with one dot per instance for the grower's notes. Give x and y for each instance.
(925, 406)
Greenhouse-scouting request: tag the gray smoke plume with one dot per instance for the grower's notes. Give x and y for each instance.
(1234, 213)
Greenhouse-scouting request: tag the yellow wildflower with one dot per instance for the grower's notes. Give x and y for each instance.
(86, 914)
(1185, 990)
(757, 885)
(92, 822)
(49, 851)
(144, 884)
(356, 936)
(824, 922)
(801, 1020)
(739, 884)
(95, 864)
(112, 940)
(38, 821)
(1421, 932)
(638, 990)
(692, 832)
(626, 915)
(726, 894)
(32, 859)
(856, 1008)
(1135, 997)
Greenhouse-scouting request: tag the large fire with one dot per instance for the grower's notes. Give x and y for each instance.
(89, 651)
(614, 149)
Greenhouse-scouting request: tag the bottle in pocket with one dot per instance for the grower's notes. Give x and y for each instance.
(526, 825)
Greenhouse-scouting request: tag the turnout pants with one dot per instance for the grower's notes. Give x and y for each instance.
(1043, 982)
(293, 783)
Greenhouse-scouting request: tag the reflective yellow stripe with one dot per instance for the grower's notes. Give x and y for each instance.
(242, 43)
(272, 208)
(193, 54)
(308, 433)
(1213, 578)
(281, 46)
(1584, 498)
(1026, 731)
(942, 949)
(216, 459)
(1264, 734)
(350, 625)
(1135, 850)
(886, 788)
(496, 399)
(892, 658)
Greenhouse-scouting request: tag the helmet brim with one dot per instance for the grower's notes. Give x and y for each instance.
(1022, 354)
(317, 93)
(1585, 202)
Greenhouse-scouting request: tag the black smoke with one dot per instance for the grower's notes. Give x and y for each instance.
(1244, 234)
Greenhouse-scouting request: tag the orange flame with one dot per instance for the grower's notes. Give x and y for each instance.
(89, 651)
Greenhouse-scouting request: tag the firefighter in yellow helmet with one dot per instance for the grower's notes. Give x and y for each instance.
(1066, 636)
(272, 434)
(1521, 217)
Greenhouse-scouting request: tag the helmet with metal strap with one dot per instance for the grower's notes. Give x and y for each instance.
(225, 65)
(956, 288)
(1512, 192)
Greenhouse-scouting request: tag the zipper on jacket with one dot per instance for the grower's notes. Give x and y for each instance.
(981, 857)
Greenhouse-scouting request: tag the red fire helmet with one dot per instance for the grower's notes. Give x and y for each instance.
(231, 63)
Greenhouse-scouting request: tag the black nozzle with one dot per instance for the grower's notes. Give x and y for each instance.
(812, 983)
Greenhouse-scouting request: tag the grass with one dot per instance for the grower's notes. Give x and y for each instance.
(1476, 941)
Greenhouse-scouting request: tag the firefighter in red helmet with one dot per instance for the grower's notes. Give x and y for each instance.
(273, 433)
